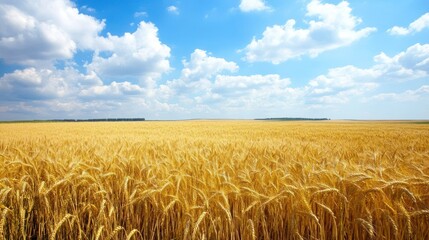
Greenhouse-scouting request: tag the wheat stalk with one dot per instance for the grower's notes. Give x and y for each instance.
(367, 226)
(252, 228)
(132, 233)
(99, 232)
(3, 221)
(115, 231)
(59, 224)
(197, 224)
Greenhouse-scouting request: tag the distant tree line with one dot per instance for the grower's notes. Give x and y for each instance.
(101, 120)
(294, 119)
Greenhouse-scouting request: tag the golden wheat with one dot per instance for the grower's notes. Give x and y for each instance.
(214, 180)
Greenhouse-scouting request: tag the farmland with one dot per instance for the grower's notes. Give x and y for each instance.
(214, 180)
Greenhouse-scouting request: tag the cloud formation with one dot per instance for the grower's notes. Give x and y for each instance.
(334, 27)
(206, 84)
(173, 9)
(112, 91)
(201, 65)
(341, 84)
(406, 96)
(36, 33)
(253, 5)
(413, 63)
(41, 83)
(127, 74)
(197, 74)
(138, 55)
(417, 26)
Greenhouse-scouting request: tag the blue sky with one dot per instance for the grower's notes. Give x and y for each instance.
(214, 59)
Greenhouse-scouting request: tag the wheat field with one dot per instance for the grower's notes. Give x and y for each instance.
(214, 180)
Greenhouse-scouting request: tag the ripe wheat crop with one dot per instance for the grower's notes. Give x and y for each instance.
(214, 180)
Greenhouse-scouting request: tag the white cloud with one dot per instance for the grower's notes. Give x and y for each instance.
(54, 93)
(209, 86)
(341, 84)
(335, 27)
(417, 26)
(202, 65)
(253, 91)
(345, 77)
(406, 96)
(231, 93)
(173, 9)
(410, 64)
(261, 85)
(32, 83)
(140, 14)
(88, 9)
(139, 54)
(196, 76)
(249, 82)
(253, 5)
(113, 90)
(203, 85)
(36, 32)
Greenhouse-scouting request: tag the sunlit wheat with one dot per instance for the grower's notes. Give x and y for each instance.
(214, 180)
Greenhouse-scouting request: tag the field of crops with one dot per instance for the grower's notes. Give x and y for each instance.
(214, 180)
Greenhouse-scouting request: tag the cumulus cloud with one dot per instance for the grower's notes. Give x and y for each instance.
(122, 72)
(88, 9)
(35, 32)
(263, 85)
(140, 14)
(206, 85)
(345, 77)
(113, 90)
(209, 83)
(253, 92)
(139, 54)
(253, 5)
(413, 63)
(123, 69)
(63, 93)
(196, 75)
(406, 96)
(173, 9)
(32, 83)
(417, 26)
(334, 26)
(35, 84)
(341, 84)
(201, 65)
